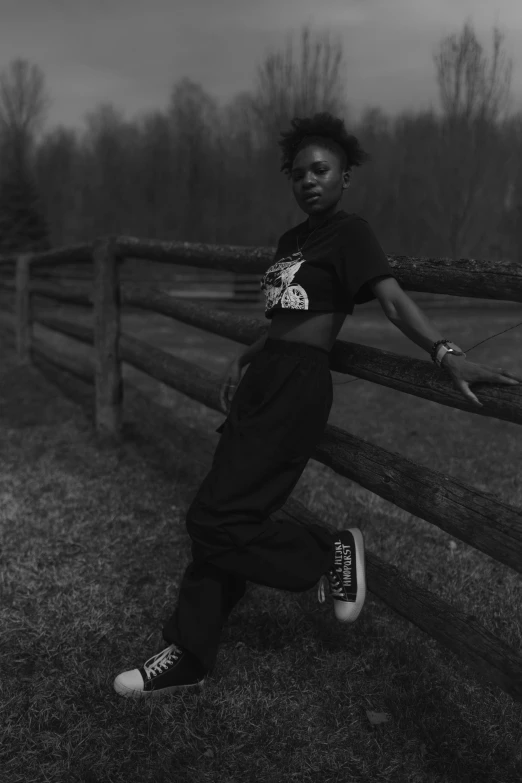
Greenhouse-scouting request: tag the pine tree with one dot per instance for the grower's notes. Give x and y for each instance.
(23, 227)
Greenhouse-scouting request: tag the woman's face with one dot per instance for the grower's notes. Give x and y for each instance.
(317, 178)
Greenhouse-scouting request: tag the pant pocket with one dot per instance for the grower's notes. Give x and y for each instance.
(265, 384)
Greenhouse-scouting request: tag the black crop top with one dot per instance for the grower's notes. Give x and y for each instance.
(332, 272)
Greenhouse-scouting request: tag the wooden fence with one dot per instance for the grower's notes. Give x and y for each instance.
(468, 514)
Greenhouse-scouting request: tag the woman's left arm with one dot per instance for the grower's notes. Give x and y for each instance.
(414, 324)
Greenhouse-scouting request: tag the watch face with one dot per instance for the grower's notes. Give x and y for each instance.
(449, 350)
(442, 350)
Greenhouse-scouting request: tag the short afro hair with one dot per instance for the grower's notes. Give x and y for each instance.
(324, 128)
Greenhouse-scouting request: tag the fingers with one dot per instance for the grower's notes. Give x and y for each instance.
(497, 375)
(223, 397)
(468, 394)
(227, 392)
(488, 374)
(509, 377)
(505, 378)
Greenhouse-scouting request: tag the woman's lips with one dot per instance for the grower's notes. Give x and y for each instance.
(312, 197)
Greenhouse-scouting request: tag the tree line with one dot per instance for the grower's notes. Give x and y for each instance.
(445, 182)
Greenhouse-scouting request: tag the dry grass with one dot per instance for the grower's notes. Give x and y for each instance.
(93, 547)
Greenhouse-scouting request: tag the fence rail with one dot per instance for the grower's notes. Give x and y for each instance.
(473, 516)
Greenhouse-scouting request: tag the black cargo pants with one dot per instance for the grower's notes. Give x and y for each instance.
(277, 416)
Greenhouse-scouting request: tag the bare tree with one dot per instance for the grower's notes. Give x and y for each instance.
(289, 85)
(472, 86)
(466, 164)
(23, 104)
(58, 180)
(194, 120)
(154, 183)
(374, 189)
(237, 147)
(107, 170)
(512, 202)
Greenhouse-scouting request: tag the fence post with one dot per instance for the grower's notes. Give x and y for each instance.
(108, 379)
(23, 309)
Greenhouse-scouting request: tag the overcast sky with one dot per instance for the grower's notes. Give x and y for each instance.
(131, 52)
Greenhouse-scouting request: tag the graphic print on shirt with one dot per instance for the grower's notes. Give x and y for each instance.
(276, 283)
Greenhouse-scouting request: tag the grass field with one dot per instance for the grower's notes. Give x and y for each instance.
(93, 547)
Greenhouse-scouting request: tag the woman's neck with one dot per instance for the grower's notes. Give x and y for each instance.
(314, 221)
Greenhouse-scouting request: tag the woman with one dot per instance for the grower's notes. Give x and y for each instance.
(322, 268)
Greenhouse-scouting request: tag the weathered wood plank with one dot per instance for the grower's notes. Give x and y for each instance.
(234, 327)
(474, 516)
(466, 513)
(412, 376)
(109, 384)
(471, 515)
(469, 277)
(79, 366)
(495, 660)
(23, 309)
(74, 254)
(462, 633)
(422, 378)
(73, 294)
(490, 656)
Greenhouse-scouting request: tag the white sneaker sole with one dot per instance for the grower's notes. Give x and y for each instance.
(134, 693)
(348, 611)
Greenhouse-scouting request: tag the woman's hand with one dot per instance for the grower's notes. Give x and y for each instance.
(463, 373)
(229, 383)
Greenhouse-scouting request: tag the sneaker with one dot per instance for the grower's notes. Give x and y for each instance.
(172, 669)
(346, 578)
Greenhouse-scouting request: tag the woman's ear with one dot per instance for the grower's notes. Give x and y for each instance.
(346, 179)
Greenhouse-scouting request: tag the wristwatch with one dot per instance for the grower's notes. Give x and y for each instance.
(444, 348)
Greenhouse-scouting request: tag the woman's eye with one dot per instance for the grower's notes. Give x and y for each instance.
(296, 177)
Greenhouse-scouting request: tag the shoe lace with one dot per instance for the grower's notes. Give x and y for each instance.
(161, 661)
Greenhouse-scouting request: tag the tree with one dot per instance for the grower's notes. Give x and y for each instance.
(373, 189)
(110, 144)
(466, 164)
(22, 224)
(237, 149)
(23, 101)
(153, 176)
(470, 85)
(289, 85)
(511, 224)
(57, 159)
(194, 120)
